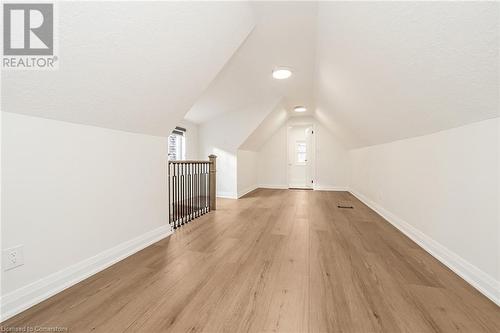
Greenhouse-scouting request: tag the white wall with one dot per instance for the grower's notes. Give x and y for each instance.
(332, 161)
(247, 171)
(223, 136)
(272, 165)
(441, 189)
(331, 166)
(76, 197)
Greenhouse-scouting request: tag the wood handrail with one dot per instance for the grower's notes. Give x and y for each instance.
(189, 161)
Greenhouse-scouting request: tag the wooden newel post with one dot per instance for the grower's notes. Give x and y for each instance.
(213, 188)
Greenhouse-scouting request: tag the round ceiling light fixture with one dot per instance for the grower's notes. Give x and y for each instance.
(300, 109)
(282, 73)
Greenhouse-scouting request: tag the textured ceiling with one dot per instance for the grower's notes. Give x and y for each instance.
(134, 66)
(371, 72)
(392, 70)
(284, 35)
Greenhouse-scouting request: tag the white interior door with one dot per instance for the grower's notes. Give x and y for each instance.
(300, 157)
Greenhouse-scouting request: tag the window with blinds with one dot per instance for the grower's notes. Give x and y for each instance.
(177, 145)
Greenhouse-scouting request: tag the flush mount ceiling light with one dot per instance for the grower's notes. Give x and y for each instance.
(300, 109)
(282, 73)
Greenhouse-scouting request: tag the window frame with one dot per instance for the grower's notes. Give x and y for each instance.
(298, 151)
(180, 143)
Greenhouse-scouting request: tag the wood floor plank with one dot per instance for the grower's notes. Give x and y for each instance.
(274, 261)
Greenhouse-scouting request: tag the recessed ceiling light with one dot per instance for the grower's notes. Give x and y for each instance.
(300, 109)
(282, 73)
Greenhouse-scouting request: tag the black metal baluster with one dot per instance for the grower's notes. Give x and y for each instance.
(178, 195)
(196, 190)
(198, 168)
(169, 199)
(174, 179)
(174, 189)
(175, 196)
(183, 193)
(204, 188)
(208, 208)
(193, 197)
(201, 188)
(190, 191)
(207, 167)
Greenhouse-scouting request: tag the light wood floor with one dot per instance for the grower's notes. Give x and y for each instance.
(275, 261)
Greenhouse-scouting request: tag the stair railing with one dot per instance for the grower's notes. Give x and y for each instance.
(191, 189)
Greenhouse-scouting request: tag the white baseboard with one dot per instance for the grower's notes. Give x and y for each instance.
(483, 282)
(274, 187)
(227, 195)
(247, 190)
(36, 292)
(330, 188)
(316, 187)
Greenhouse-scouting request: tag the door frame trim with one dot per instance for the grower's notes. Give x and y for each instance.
(312, 148)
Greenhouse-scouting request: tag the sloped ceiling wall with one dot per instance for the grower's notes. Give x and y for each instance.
(273, 121)
(230, 130)
(134, 66)
(284, 35)
(393, 70)
(373, 72)
(223, 136)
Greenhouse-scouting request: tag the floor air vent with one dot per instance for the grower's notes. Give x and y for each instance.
(345, 204)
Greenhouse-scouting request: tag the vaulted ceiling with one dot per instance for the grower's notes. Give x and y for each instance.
(133, 66)
(392, 70)
(284, 35)
(371, 72)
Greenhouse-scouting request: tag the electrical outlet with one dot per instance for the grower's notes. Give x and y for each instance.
(13, 257)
